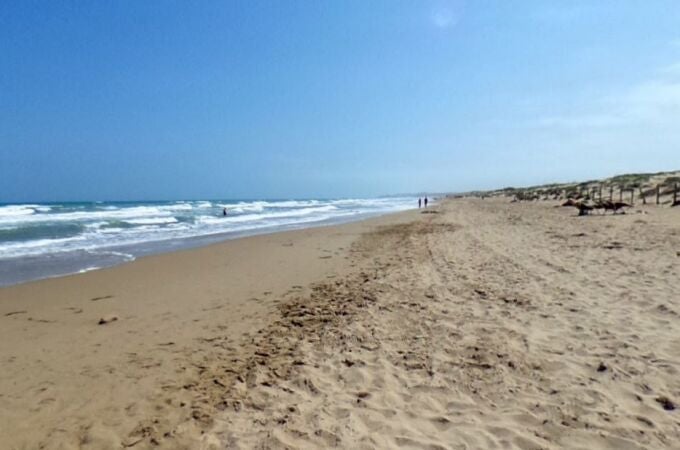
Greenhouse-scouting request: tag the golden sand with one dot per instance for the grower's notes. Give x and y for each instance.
(483, 325)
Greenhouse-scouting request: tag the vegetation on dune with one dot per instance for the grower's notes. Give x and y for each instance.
(631, 180)
(643, 184)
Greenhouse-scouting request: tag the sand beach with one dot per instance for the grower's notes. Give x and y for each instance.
(475, 324)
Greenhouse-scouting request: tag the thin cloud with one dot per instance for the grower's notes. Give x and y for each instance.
(652, 102)
(656, 99)
(580, 122)
(671, 70)
(443, 18)
(562, 12)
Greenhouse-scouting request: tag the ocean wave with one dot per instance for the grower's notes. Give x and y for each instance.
(110, 214)
(176, 207)
(289, 203)
(35, 247)
(152, 221)
(264, 216)
(110, 230)
(241, 208)
(102, 227)
(259, 205)
(9, 211)
(124, 256)
(95, 225)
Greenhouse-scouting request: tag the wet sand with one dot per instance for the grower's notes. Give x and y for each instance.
(484, 324)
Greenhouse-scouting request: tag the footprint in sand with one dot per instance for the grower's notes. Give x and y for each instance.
(665, 403)
(212, 308)
(31, 319)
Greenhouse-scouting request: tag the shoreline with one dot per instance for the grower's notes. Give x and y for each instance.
(128, 253)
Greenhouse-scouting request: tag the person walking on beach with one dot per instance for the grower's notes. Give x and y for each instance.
(419, 202)
(426, 202)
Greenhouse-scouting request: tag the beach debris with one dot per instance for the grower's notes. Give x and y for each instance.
(613, 206)
(107, 319)
(665, 403)
(602, 367)
(104, 297)
(12, 313)
(583, 209)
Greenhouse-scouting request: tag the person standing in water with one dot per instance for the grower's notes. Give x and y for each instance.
(419, 202)
(426, 202)
(224, 212)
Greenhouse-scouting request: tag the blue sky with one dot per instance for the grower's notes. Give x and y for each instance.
(280, 99)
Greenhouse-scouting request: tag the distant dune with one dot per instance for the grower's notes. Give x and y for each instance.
(642, 187)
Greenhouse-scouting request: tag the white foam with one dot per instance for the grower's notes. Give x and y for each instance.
(125, 256)
(151, 221)
(11, 211)
(35, 247)
(176, 207)
(180, 220)
(106, 214)
(243, 208)
(264, 216)
(95, 225)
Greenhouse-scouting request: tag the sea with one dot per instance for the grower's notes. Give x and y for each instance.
(42, 240)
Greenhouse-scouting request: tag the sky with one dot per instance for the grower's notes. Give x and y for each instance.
(141, 100)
